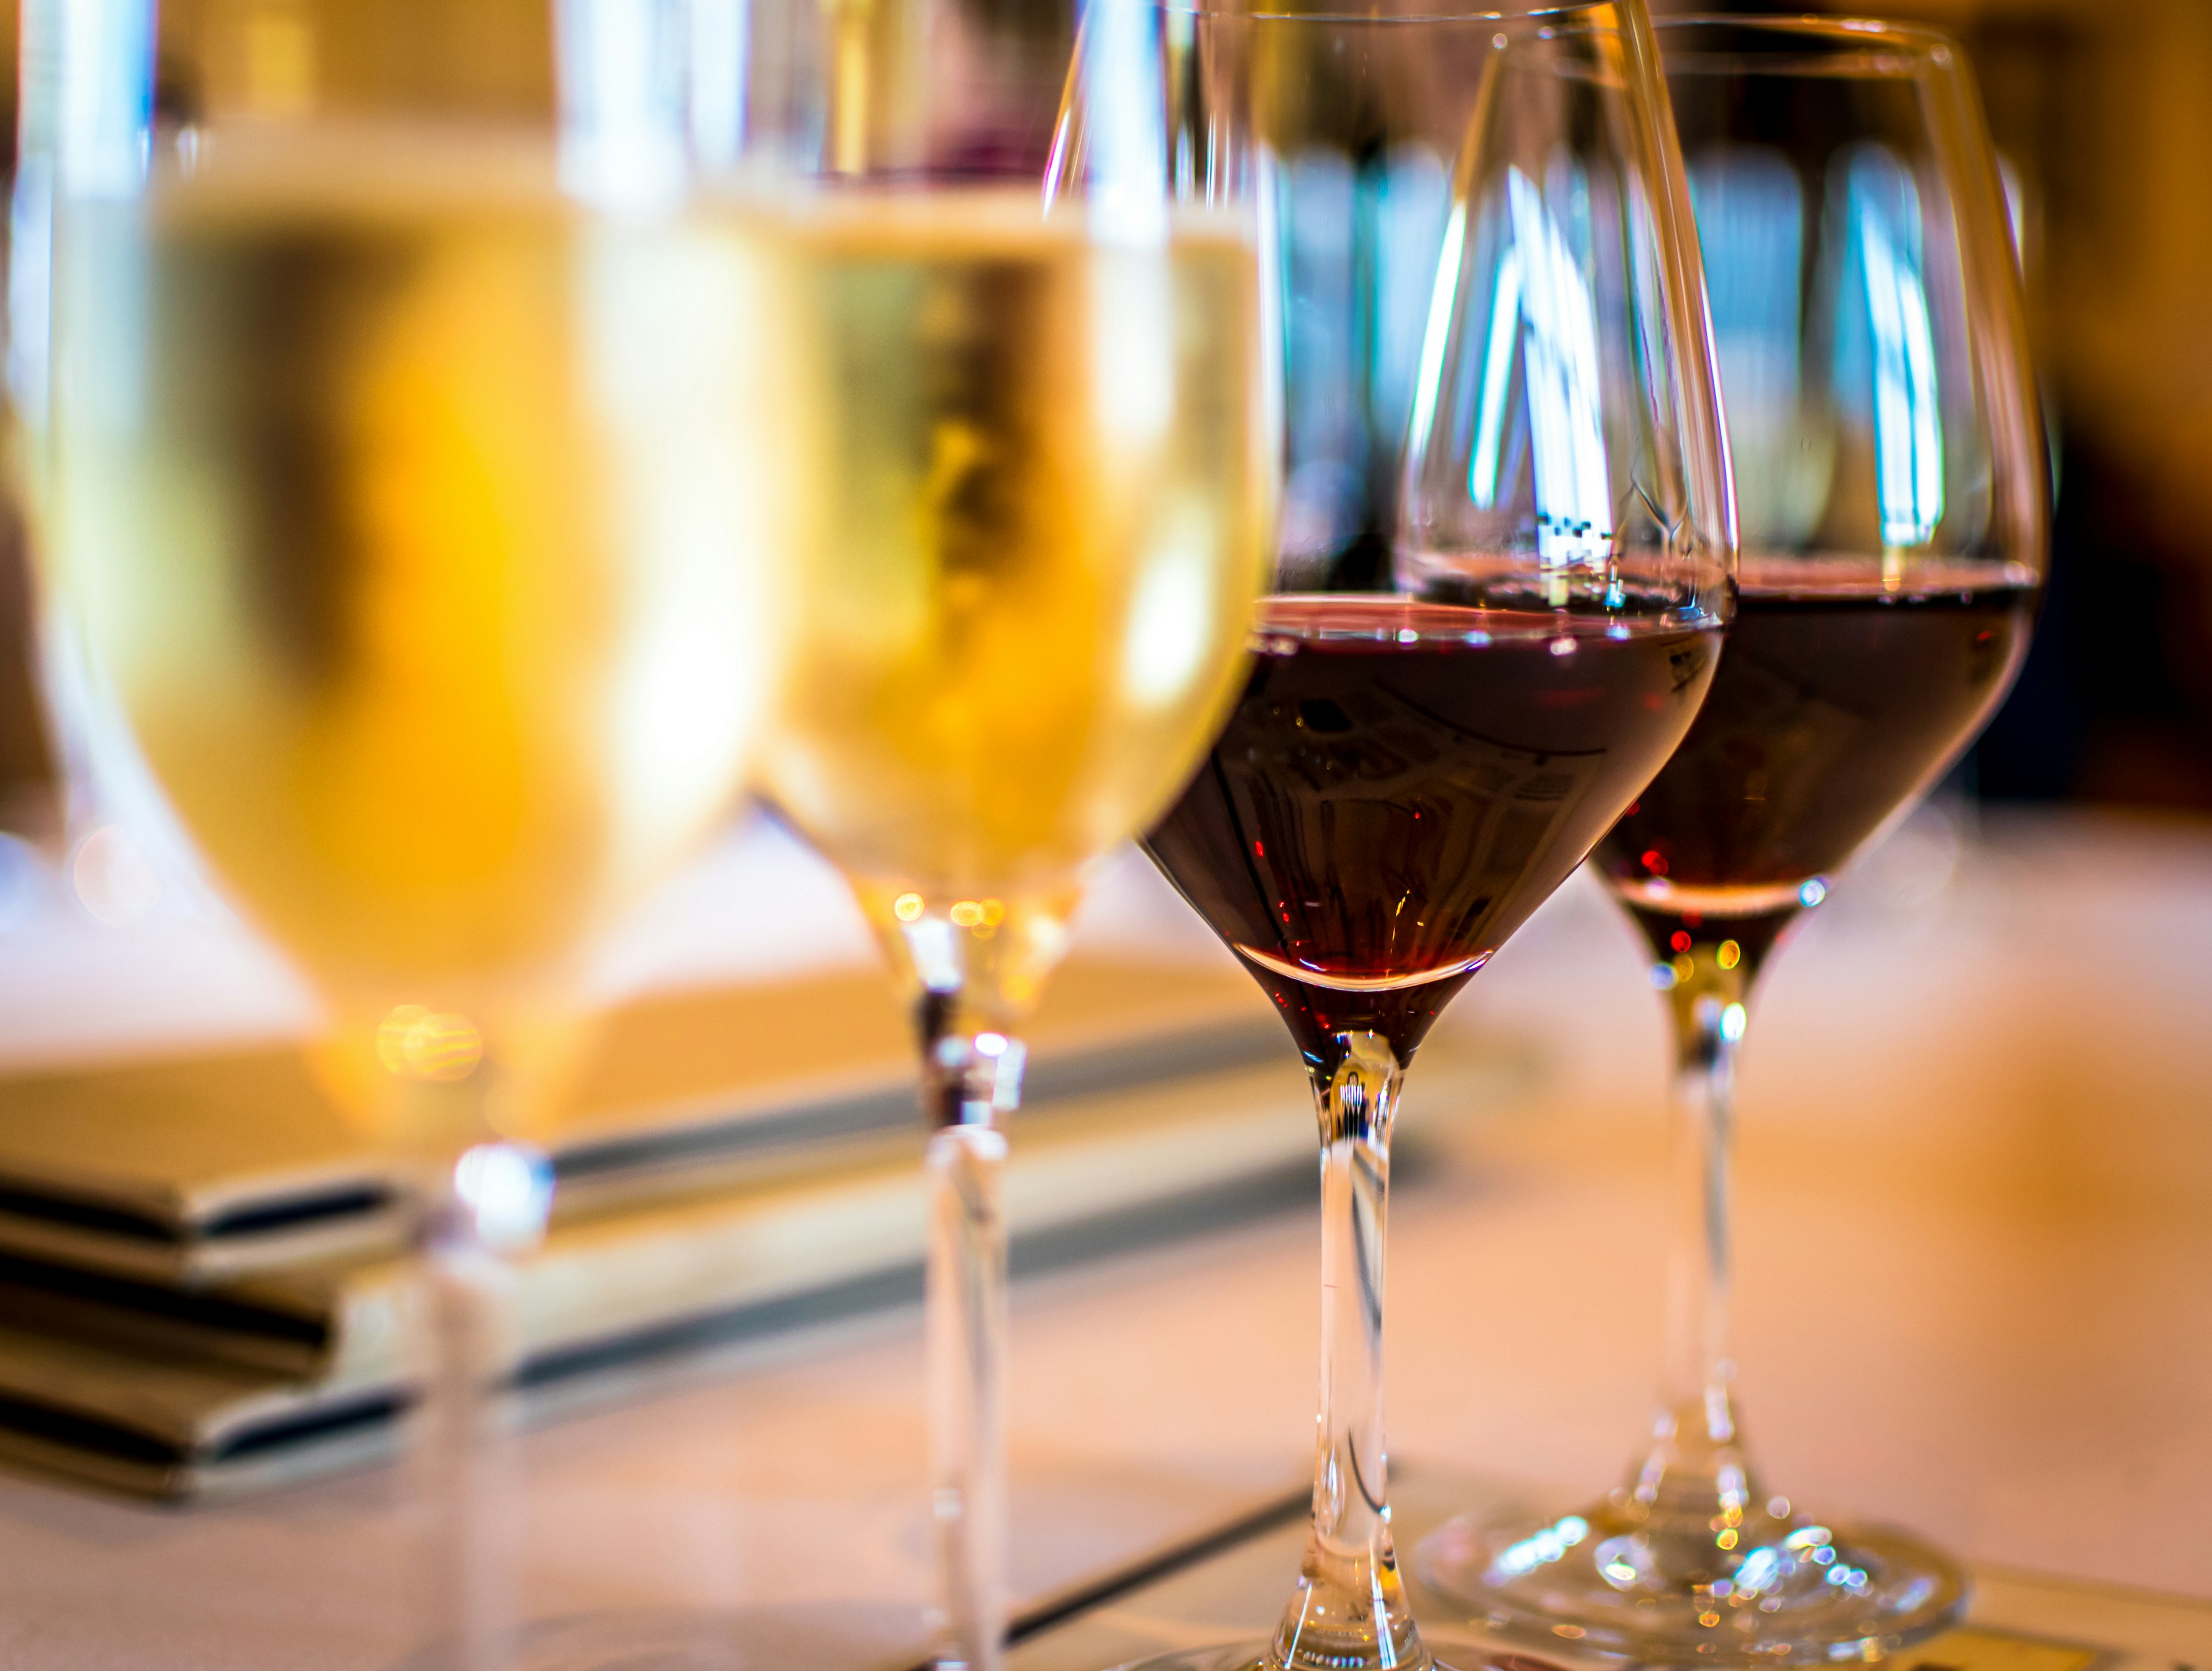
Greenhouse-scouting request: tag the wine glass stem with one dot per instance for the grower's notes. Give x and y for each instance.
(490, 1207)
(971, 1082)
(1350, 1608)
(1699, 1455)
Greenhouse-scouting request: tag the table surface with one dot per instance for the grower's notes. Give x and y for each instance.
(1974, 1291)
(1209, 1596)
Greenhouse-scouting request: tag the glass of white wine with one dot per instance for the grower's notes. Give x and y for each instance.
(399, 459)
(1027, 429)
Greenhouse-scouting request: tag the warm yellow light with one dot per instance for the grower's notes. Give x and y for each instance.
(392, 1035)
(423, 1044)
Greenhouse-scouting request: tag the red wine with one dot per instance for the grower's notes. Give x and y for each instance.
(1402, 783)
(1832, 708)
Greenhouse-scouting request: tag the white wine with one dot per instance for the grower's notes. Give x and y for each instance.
(412, 526)
(1037, 496)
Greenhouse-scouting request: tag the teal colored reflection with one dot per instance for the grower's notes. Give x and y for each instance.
(1404, 204)
(1560, 373)
(1885, 348)
(1751, 224)
(1359, 238)
(1497, 368)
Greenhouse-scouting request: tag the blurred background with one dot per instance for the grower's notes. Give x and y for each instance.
(2100, 114)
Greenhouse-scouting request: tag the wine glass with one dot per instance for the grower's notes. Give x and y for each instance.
(1435, 733)
(397, 469)
(1023, 412)
(1890, 476)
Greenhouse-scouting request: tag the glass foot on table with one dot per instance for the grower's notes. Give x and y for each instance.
(1253, 1657)
(1789, 1591)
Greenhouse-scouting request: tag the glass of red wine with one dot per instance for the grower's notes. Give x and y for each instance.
(1891, 479)
(1440, 724)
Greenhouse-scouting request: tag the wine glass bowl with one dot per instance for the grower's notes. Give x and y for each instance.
(1882, 421)
(1404, 783)
(406, 810)
(1891, 483)
(1487, 556)
(377, 495)
(1040, 524)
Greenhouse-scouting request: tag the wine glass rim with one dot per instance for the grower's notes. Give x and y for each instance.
(1842, 33)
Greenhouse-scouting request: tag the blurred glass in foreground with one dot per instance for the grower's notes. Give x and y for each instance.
(399, 429)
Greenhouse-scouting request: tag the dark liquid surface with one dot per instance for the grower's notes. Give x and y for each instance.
(1829, 711)
(1401, 784)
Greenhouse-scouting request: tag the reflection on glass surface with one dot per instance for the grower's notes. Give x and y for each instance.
(1356, 249)
(1894, 355)
(1750, 213)
(1574, 514)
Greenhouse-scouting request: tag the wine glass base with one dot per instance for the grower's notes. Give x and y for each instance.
(1253, 1657)
(1589, 1584)
(1237, 1657)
